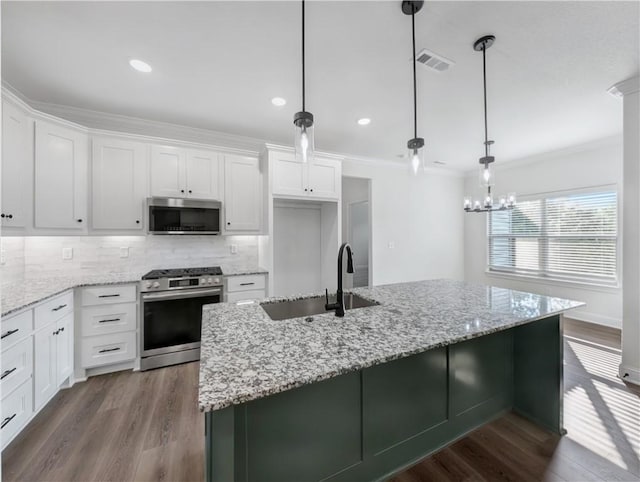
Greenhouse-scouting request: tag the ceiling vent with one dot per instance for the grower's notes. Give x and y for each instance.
(433, 61)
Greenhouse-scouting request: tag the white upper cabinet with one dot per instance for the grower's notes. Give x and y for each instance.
(325, 178)
(185, 173)
(60, 177)
(319, 178)
(119, 175)
(290, 176)
(16, 169)
(167, 170)
(243, 194)
(204, 174)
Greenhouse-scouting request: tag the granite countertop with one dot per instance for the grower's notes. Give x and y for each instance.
(245, 355)
(25, 291)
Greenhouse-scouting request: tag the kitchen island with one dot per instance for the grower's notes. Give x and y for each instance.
(364, 396)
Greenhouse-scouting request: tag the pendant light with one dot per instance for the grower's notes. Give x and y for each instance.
(415, 145)
(303, 120)
(486, 173)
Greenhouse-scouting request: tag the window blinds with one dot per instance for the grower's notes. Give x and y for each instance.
(569, 237)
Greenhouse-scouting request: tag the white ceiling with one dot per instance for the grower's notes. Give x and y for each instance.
(218, 64)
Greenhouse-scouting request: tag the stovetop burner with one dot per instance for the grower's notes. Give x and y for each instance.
(183, 272)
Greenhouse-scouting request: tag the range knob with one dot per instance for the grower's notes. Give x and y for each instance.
(155, 284)
(210, 280)
(147, 284)
(216, 281)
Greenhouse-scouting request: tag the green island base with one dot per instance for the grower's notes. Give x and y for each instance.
(370, 424)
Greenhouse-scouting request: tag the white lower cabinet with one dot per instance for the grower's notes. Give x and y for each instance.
(17, 410)
(108, 325)
(53, 360)
(17, 365)
(245, 288)
(108, 349)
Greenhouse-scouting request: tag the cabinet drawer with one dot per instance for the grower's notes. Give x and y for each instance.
(108, 349)
(103, 320)
(17, 365)
(245, 295)
(104, 295)
(53, 309)
(17, 409)
(15, 328)
(246, 283)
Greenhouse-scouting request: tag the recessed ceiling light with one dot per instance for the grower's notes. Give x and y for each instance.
(278, 101)
(365, 121)
(140, 66)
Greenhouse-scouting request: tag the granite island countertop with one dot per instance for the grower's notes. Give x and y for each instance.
(19, 293)
(246, 356)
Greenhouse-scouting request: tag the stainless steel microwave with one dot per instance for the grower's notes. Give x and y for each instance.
(183, 216)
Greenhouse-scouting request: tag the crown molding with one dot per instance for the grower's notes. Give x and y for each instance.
(626, 87)
(610, 141)
(116, 125)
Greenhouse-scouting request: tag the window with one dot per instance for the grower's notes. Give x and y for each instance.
(570, 237)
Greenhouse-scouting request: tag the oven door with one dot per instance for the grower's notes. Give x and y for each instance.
(172, 321)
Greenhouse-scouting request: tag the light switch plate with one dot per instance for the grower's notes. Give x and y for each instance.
(234, 249)
(67, 253)
(392, 244)
(124, 251)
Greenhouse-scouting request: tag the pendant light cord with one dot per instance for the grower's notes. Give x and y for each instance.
(415, 92)
(303, 92)
(484, 77)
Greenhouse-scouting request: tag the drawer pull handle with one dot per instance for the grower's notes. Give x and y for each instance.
(9, 333)
(59, 307)
(247, 284)
(7, 420)
(109, 320)
(6, 373)
(109, 296)
(109, 349)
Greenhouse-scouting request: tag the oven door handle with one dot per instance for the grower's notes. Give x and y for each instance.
(178, 295)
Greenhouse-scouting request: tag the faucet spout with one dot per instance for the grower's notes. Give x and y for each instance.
(338, 306)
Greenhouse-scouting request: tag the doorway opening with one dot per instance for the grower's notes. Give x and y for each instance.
(356, 228)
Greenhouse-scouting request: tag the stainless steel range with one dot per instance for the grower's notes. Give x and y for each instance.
(171, 313)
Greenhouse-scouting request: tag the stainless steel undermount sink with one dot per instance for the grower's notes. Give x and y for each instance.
(284, 310)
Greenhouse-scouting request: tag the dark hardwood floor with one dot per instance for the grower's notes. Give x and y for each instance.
(146, 426)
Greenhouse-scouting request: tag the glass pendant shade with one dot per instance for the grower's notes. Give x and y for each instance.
(487, 177)
(303, 136)
(416, 155)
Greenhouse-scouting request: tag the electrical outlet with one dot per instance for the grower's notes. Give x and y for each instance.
(124, 251)
(391, 245)
(234, 249)
(67, 253)
(3, 256)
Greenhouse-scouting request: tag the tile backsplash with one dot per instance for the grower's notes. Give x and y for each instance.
(43, 255)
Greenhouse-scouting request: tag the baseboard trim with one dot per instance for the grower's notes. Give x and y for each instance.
(629, 375)
(595, 318)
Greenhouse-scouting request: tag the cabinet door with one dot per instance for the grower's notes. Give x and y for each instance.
(325, 176)
(167, 168)
(44, 366)
(15, 165)
(289, 175)
(243, 191)
(64, 348)
(60, 177)
(204, 175)
(118, 184)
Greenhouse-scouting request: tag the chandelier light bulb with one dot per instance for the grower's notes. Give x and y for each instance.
(468, 202)
(511, 199)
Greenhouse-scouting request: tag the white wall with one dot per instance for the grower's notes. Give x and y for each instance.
(594, 164)
(420, 217)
